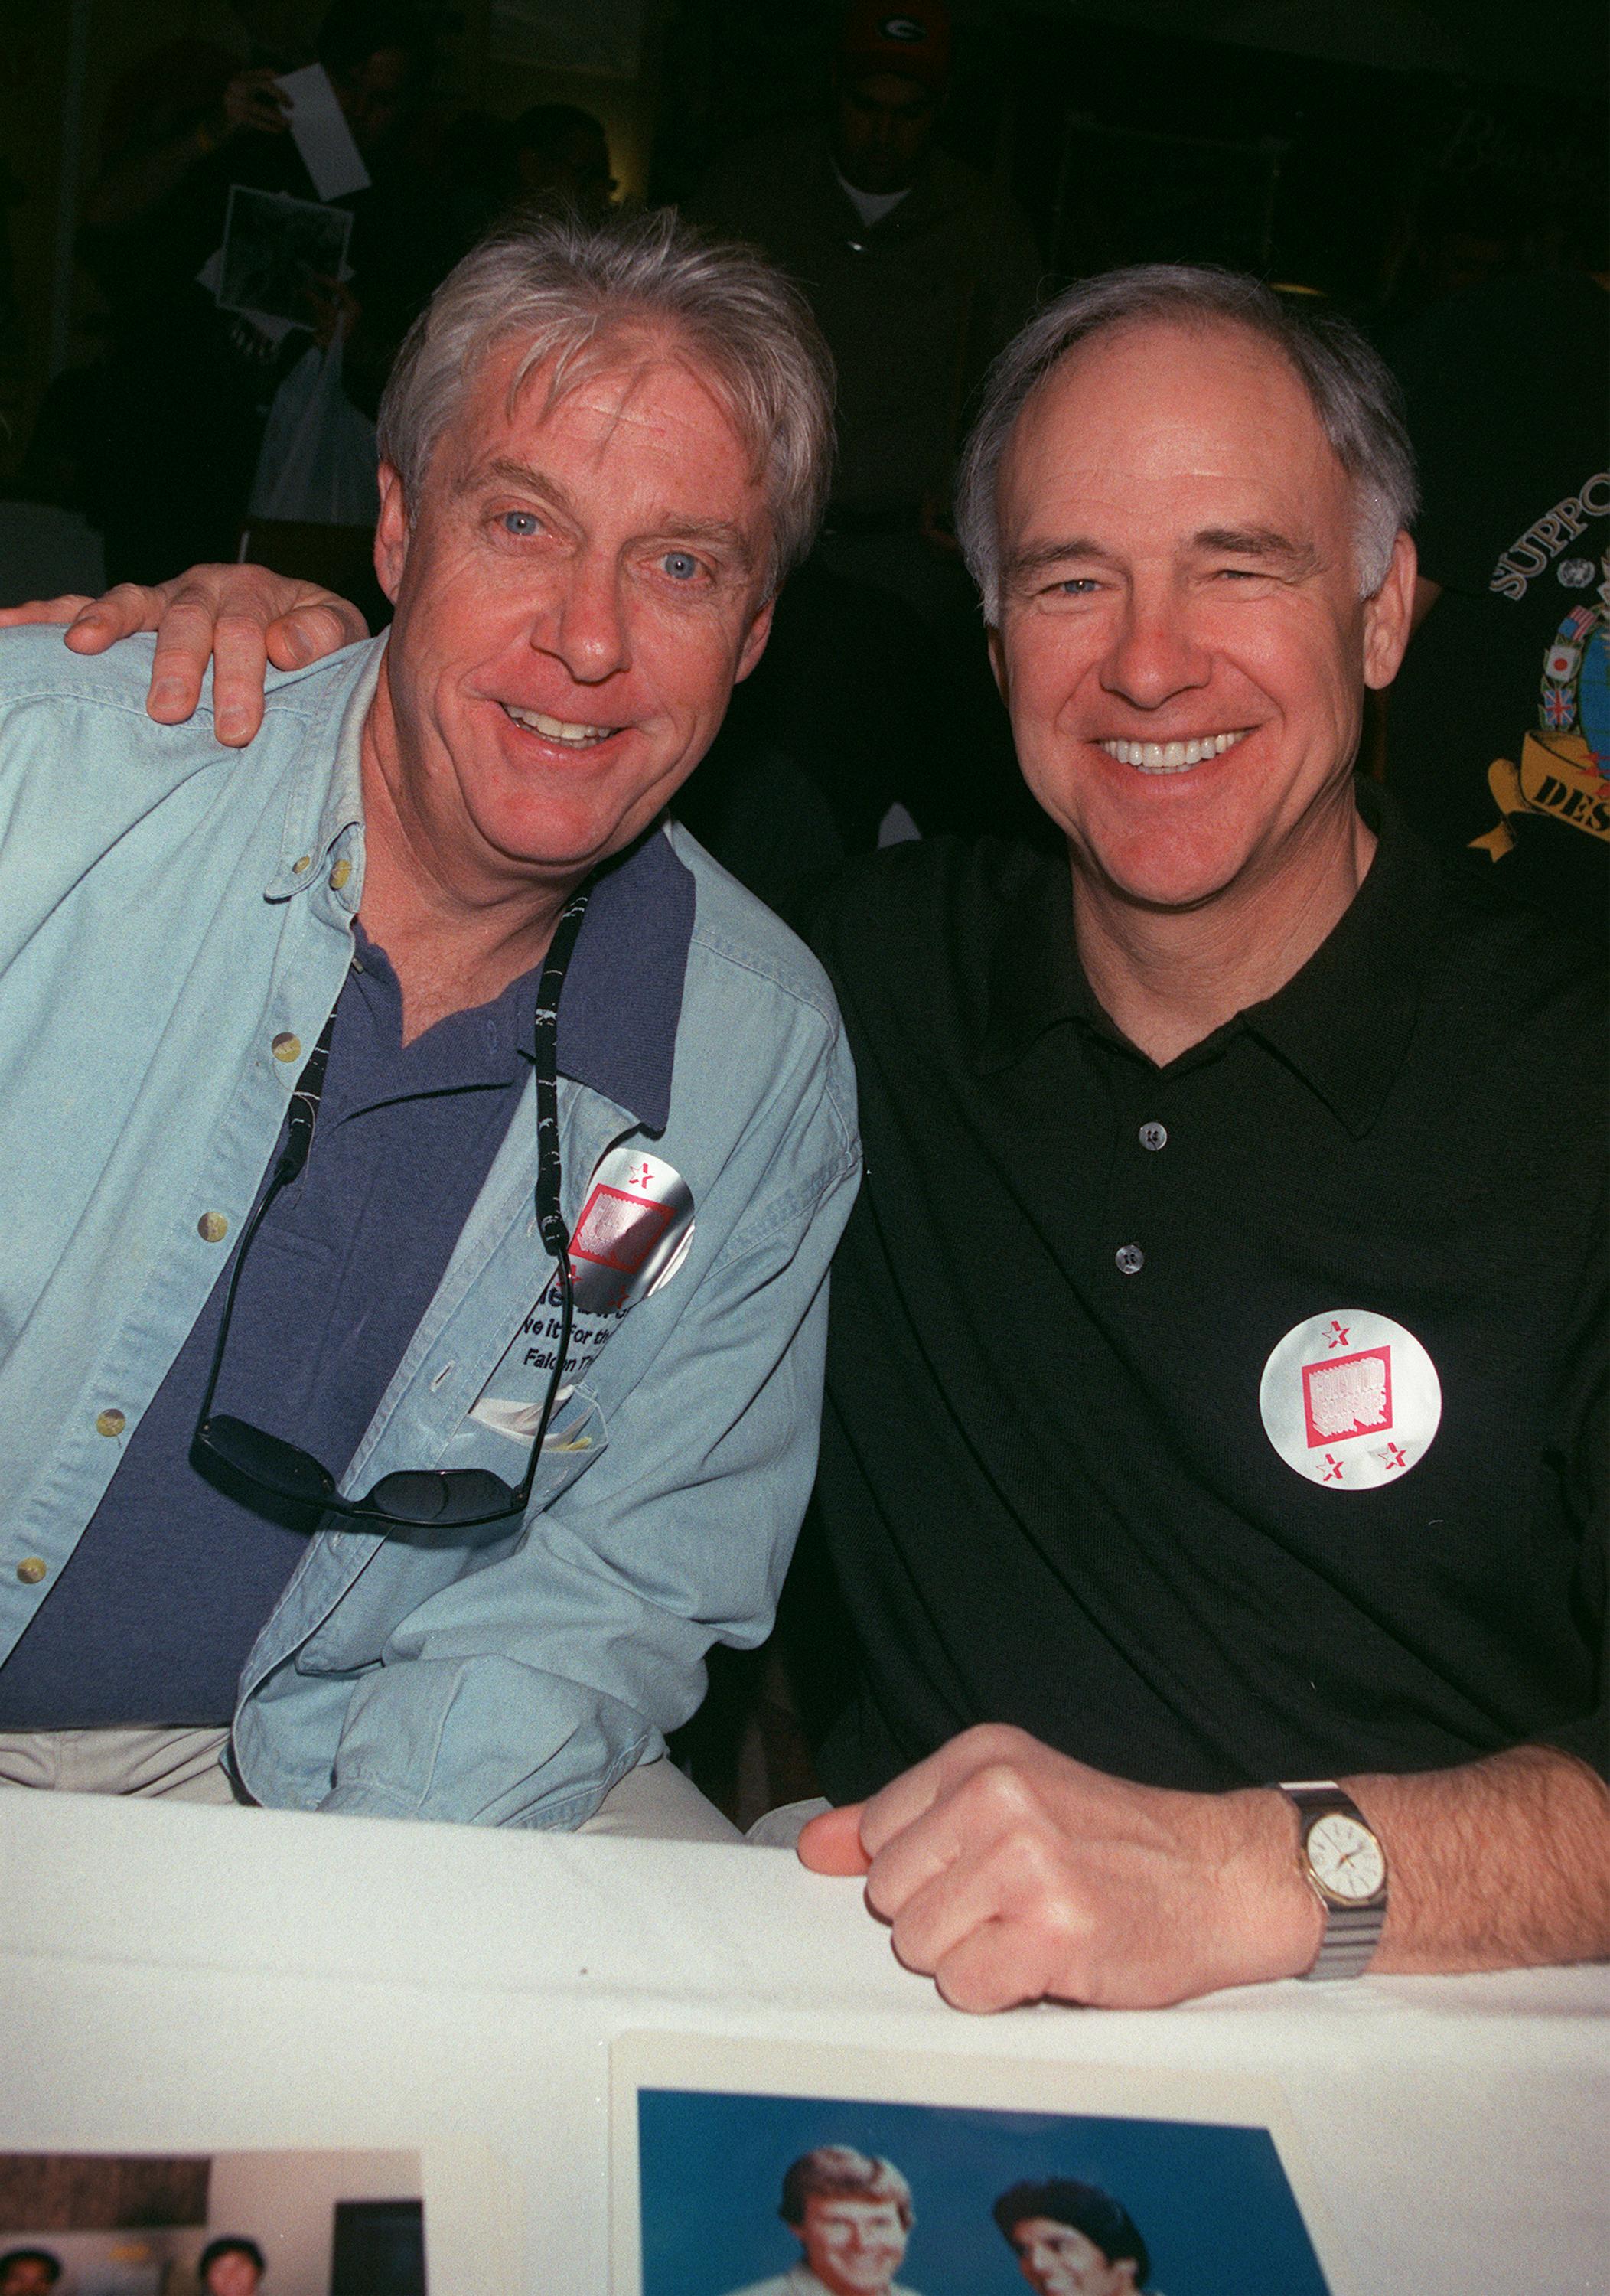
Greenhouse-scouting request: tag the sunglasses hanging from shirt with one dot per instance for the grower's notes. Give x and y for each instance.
(437, 1499)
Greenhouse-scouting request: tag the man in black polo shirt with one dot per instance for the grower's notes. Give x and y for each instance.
(1209, 1460)
(1215, 1345)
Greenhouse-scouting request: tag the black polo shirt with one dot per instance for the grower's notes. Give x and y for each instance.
(1046, 1480)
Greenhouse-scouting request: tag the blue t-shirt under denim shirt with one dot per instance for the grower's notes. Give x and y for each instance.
(151, 1621)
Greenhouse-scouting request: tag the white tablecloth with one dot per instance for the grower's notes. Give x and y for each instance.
(178, 1978)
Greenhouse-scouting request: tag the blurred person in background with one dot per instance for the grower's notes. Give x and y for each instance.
(1498, 729)
(29, 2271)
(561, 162)
(918, 271)
(231, 2266)
(874, 716)
(186, 385)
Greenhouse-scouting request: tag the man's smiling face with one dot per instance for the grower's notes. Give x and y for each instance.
(582, 584)
(1182, 644)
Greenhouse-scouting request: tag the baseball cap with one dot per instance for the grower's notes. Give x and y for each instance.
(913, 40)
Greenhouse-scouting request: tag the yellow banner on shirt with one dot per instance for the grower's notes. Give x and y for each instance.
(1557, 776)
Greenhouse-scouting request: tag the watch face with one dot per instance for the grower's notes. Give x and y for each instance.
(1346, 1858)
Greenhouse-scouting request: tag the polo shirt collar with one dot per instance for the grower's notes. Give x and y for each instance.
(1035, 979)
(1342, 1022)
(622, 1001)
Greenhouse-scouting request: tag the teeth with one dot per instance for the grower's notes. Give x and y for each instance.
(1174, 757)
(555, 729)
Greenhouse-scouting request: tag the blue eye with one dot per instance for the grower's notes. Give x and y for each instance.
(680, 565)
(522, 522)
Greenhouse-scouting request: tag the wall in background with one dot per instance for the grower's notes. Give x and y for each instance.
(286, 2202)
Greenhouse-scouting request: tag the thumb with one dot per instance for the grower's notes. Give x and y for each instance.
(831, 1844)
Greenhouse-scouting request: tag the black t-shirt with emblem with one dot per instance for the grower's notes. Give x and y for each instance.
(1506, 388)
(1071, 1479)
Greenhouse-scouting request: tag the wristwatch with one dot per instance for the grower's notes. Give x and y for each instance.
(1345, 1866)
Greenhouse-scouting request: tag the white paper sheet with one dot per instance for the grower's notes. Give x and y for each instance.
(319, 130)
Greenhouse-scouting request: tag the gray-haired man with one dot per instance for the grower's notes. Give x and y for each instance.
(384, 1420)
(1214, 1462)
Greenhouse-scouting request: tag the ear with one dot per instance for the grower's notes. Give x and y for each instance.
(755, 641)
(390, 533)
(1389, 616)
(998, 663)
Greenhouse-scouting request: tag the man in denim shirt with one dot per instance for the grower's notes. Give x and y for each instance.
(602, 452)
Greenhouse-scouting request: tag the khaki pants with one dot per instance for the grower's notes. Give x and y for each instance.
(653, 1802)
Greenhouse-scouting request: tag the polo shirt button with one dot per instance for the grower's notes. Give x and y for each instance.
(1154, 1135)
(212, 1227)
(32, 1568)
(110, 1422)
(1130, 1258)
(340, 872)
(285, 1047)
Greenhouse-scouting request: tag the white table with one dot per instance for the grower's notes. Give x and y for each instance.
(178, 1978)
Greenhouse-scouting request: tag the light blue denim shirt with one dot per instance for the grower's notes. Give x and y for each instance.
(176, 923)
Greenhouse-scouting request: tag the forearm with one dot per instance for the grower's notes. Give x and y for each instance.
(1500, 1864)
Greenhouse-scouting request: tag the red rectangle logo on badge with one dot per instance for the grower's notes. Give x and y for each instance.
(1349, 1395)
(619, 1231)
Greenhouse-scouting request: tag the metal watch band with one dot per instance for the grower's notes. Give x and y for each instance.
(1351, 1932)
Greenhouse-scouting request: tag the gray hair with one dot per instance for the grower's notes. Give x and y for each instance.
(1351, 390)
(575, 294)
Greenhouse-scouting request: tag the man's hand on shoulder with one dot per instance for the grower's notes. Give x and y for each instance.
(240, 618)
(1010, 1873)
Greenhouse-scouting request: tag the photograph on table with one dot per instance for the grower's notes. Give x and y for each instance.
(753, 2170)
(287, 2223)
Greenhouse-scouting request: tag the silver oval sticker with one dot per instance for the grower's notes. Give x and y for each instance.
(632, 1233)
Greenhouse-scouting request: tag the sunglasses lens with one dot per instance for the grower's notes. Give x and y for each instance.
(279, 1466)
(464, 1495)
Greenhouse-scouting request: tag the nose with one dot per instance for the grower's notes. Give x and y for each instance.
(586, 628)
(1154, 655)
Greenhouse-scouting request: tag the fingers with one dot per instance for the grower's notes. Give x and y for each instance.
(831, 1844)
(41, 609)
(184, 628)
(997, 1965)
(917, 1790)
(309, 632)
(117, 613)
(239, 659)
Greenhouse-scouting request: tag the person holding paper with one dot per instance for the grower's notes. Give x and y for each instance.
(424, 1162)
(187, 385)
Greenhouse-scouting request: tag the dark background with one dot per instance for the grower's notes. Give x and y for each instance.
(1357, 147)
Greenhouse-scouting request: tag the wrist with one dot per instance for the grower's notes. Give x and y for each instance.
(1282, 1919)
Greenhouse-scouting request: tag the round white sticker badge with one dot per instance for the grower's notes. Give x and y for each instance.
(1351, 1400)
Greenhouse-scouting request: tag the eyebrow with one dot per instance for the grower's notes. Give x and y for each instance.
(1256, 542)
(1264, 542)
(719, 532)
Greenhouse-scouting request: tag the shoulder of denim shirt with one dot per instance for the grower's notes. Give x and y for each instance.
(37, 665)
(732, 927)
